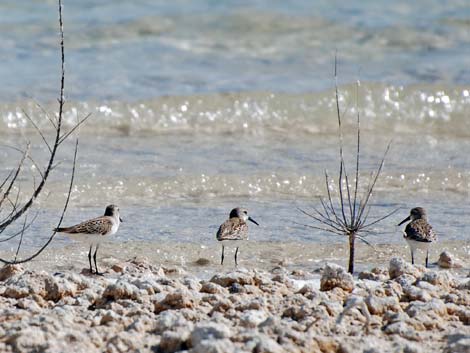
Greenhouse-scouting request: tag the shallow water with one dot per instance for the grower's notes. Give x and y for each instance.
(179, 183)
(176, 151)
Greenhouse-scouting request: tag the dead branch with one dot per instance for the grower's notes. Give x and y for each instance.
(23, 229)
(13, 179)
(69, 193)
(18, 210)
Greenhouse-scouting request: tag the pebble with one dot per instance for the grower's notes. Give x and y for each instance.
(335, 276)
(137, 307)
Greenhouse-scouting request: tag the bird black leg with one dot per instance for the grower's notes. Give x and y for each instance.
(427, 258)
(412, 258)
(222, 259)
(89, 260)
(236, 253)
(96, 266)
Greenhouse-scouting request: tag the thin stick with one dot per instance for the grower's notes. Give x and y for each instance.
(323, 221)
(59, 138)
(46, 114)
(338, 220)
(341, 163)
(13, 205)
(21, 238)
(61, 217)
(38, 130)
(357, 153)
(6, 179)
(75, 127)
(319, 228)
(18, 233)
(380, 219)
(379, 170)
(356, 226)
(28, 157)
(15, 175)
(361, 238)
(38, 190)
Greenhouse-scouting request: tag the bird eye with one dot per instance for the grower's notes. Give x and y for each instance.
(245, 212)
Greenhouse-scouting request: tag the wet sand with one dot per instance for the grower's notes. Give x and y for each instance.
(204, 260)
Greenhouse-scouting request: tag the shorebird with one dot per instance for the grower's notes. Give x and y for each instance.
(94, 230)
(234, 229)
(418, 233)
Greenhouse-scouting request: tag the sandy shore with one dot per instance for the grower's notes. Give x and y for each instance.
(204, 260)
(176, 298)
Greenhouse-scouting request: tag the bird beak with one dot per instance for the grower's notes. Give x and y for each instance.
(406, 219)
(120, 219)
(252, 220)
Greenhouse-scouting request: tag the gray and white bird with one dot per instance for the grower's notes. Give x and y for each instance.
(418, 233)
(94, 231)
(234, 230)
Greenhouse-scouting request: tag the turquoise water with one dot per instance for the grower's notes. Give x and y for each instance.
(201, 106)
(128, 50)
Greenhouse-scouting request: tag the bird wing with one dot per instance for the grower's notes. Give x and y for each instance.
(233, 229)
(420, 230)
(101, 225)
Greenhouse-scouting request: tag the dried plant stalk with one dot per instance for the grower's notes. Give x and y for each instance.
(348, 215)
(18, 210)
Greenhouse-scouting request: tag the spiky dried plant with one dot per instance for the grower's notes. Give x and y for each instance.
(348, 214)
(12, 209)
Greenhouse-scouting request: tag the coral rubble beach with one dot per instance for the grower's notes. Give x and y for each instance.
(138, 306)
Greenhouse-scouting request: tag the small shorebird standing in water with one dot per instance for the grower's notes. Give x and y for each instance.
(418, 233)
(94, 230)
(234, 229)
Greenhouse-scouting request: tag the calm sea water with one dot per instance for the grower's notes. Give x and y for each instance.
(200, 106)
(132, 50)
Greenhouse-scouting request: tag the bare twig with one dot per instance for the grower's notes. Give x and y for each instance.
(17, 209)
(323, 220)
(18, 233)
(21, 238)
(74, 128)
(6, 179)
(349, 216)
(38, 130)
(28, 156)
(69, 193)
(380, 219)
(358, 153)
(374, 181)
(46, 114)
(318, 228)
(332, 208)
(55, 147)
(14, 177)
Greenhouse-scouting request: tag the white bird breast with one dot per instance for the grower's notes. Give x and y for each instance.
(415, 245)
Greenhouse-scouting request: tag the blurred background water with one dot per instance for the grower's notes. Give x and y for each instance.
(201, 106)
(136, 50)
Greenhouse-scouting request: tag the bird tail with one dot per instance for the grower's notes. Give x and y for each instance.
(62, 229)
